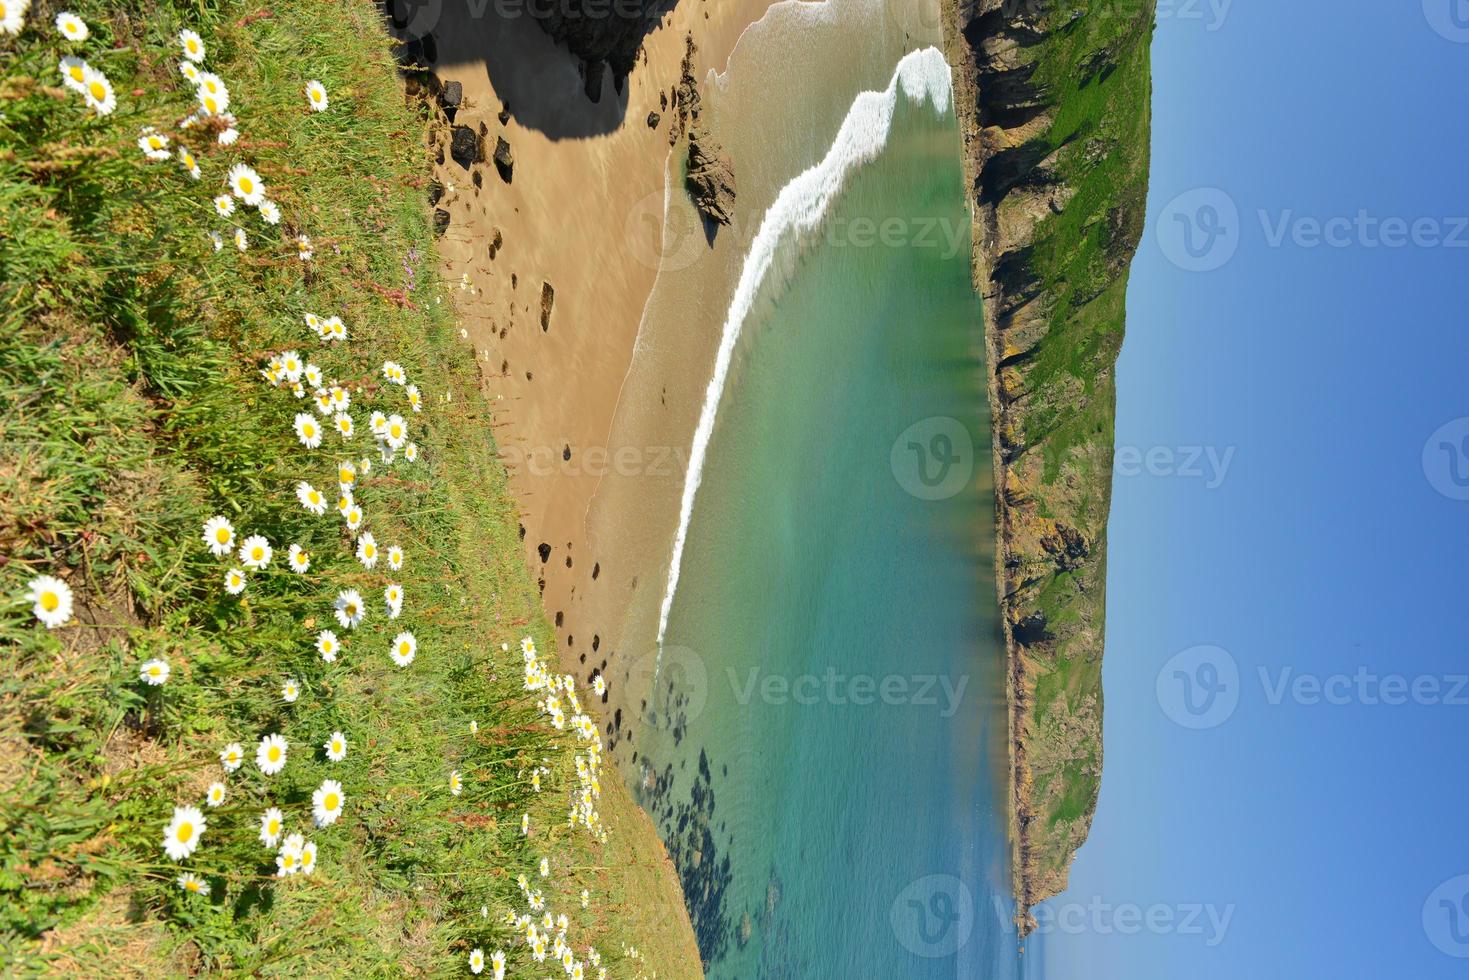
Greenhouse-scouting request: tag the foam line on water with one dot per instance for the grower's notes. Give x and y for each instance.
(922, 76)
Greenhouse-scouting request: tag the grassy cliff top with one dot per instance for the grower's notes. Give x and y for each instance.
(146, 393)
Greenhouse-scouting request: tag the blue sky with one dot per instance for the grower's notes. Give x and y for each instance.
(1311, 336)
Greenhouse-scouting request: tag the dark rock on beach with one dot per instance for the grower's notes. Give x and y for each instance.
(504, 159)
(465, 147)
(710, 178)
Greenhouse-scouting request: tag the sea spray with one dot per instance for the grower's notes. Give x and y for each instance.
(923, 77)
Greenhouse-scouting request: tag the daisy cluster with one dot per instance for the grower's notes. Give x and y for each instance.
(360, 423)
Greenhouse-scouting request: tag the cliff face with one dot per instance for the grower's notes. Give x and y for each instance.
(1054, 105)
(602, 32)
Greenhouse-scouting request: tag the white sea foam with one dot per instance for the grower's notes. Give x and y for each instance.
(921, 76)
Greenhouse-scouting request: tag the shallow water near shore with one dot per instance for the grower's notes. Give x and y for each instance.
(822, 743)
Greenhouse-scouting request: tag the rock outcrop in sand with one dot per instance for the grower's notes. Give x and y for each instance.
(709, 175)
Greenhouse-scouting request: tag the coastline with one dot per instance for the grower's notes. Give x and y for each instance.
(1017, 687)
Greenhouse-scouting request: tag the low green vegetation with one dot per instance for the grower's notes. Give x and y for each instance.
(134, 351)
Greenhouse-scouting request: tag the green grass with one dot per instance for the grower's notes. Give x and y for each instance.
(134, 410)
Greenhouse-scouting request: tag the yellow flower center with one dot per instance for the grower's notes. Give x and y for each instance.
(193, 46)
(369, 551)
(98, 90)
(210, 104)
(351, 609)
(75, 71)
(222, 535)
(274, 753)
(154, 671)
(403, 648)
(248, 186)
(185, 832)
(310, 430)
(397, 431)
(331, 801)
(50, 601)
(273, 828)
(256, 553)
(308, 859)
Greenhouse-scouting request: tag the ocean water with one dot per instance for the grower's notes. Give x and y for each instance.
(822, 742)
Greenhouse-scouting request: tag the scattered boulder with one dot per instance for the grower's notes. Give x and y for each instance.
(441, 221)
(504, 159)
(451, 97)
(465, 147)
(710, 179)
(495, 244)
(548, 296)
(653, 120)
(504, 113)
(435, 192)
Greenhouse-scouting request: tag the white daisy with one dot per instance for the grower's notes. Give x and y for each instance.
(312, 375)
(216, 241)
(525, 825)
(214, 97)
(311, 498)
(367, 550)
(353, 516)
(13, 15)
(270, 755)
(246, 184)
(395, 432)
(234, 581)
(272, 822)
(346, 475)
(288, 860)
(188, 162)
(308, 430)
(299, 559)
(51, 600)
(343, 423)
(599, 684)
(314, 322)
(154, 145)
(414, 398)
(316, 96)
(456, 785)
(190, 71)
(232, 756)
(182, 834)
(341, 398)
(336, 747)
(395, 557)
(73, 73)
(242, 241)
(255, 552)
(323, 403)
(154, 672)
(290, 691)
(328, 646)
(270, 212)
(378, 423)
(393, 599)
(229, 135)
(404, 649)
(303, 248)
(476, 960)
(97, 92)
(224, 205)
(215, 794)
(545, 867)
(72, 27)
(193, 46)
(193, 884)
(497, 963)
(308, 857)
(393, 372)
(410, 452)
(349, 608)
(326, 803)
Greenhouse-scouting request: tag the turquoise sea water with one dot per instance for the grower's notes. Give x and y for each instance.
(828, 725)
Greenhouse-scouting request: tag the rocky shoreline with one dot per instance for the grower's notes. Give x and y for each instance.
(1013, 65)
